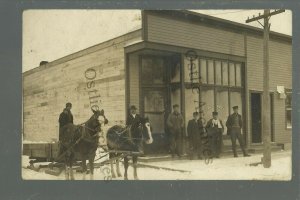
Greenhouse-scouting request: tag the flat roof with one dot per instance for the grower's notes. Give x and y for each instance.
(219, 22)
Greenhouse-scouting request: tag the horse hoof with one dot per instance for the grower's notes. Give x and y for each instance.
(125, 178)
(136, 178)
(113, 176)
(119, 175)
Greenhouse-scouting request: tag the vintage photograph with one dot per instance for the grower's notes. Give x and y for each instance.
(157, 95)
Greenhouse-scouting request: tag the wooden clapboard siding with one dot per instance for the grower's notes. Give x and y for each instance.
(199, 36)
(280, 65)
(46, 89)
(134, 80)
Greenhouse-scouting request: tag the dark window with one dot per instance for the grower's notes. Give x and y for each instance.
(153, 71)
(288, 108)
(203, 71)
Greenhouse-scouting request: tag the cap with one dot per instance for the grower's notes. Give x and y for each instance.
(133, 107)
(195, 113)
(215, 113)
(68, 104)
(235, 107)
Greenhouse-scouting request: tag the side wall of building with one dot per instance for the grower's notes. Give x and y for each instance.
(280, 64)
(46, 89)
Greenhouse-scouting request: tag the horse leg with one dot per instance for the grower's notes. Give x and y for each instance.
(118, 168)
(112, 166)
(134, 161)
(83, 166)
(71, 164)
(125, 167)
(91, 164)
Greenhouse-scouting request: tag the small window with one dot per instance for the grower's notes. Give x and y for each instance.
(288, 108)
(225, 73)
(231, 74)
(238, 75)
(203, 71)
(211, 74)
(218, 73)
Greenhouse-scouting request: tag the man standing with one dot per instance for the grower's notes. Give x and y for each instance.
(175, 124)
(65, 118)
(193, 130)
(133, 118)
(216, 129)
(234, 125)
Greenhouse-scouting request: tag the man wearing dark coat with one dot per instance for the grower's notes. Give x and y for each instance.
(234, 125)
(215, 128)
(65, 118)
(194, 135)
(133, 119)
(175, 124)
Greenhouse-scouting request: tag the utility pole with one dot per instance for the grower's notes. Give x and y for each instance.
(266, 159)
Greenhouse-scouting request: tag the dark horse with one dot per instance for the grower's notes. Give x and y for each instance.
(83, 139)
(127, 141)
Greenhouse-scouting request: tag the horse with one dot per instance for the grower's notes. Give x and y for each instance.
(83, 139)
(125, 141)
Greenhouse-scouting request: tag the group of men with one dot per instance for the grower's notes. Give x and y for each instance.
(204, 138)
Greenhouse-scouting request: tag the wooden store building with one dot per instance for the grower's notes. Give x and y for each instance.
(150, 68)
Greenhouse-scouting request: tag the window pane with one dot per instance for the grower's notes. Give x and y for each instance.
(203, 73)
(153, 70)
(225, 73)
(175, 96)
(218, 73)
(157, 122)
(191, 103)
(191, 76)
(231, 74)
(289, 118)
(154, 101)
(288, 100)
(211, 72)
(238, 75)
(222, 106)
(207, 97)
(236, 100)
(175, 73)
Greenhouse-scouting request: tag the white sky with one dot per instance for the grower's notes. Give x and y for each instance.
(52, 34)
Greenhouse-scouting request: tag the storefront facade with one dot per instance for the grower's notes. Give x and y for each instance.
(151, 69)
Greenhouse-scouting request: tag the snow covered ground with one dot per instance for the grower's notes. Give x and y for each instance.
(227, 168)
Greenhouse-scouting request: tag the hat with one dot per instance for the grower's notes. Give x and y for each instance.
(133, 107)
(215, 113)
(68, 104)
(195, 113)
(175, 105)
(235, 107)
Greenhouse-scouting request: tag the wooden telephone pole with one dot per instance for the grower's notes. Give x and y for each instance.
(266, 160)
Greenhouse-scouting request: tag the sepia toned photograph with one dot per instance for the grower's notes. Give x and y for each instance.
(157, 95)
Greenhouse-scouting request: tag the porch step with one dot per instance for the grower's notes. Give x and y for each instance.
(227, 152)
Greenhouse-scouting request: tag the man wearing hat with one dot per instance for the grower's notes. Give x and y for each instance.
(175, 124)
(234, 125)
(65, 118)
(194, 135)
(133, 118)
(215, 128)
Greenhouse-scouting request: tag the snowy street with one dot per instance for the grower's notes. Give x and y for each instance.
(227, 168)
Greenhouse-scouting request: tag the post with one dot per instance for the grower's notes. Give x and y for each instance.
(266, 97)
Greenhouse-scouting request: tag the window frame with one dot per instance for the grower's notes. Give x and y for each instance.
(288, 91)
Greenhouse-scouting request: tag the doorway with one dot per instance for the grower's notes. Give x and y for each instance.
(256, 125)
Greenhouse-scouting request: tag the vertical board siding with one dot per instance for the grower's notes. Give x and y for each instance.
(280, 66)
(46, 90)
(134, 80)
(183, 33)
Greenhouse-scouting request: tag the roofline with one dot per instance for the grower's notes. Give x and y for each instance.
(82, 52)
(199, 17)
